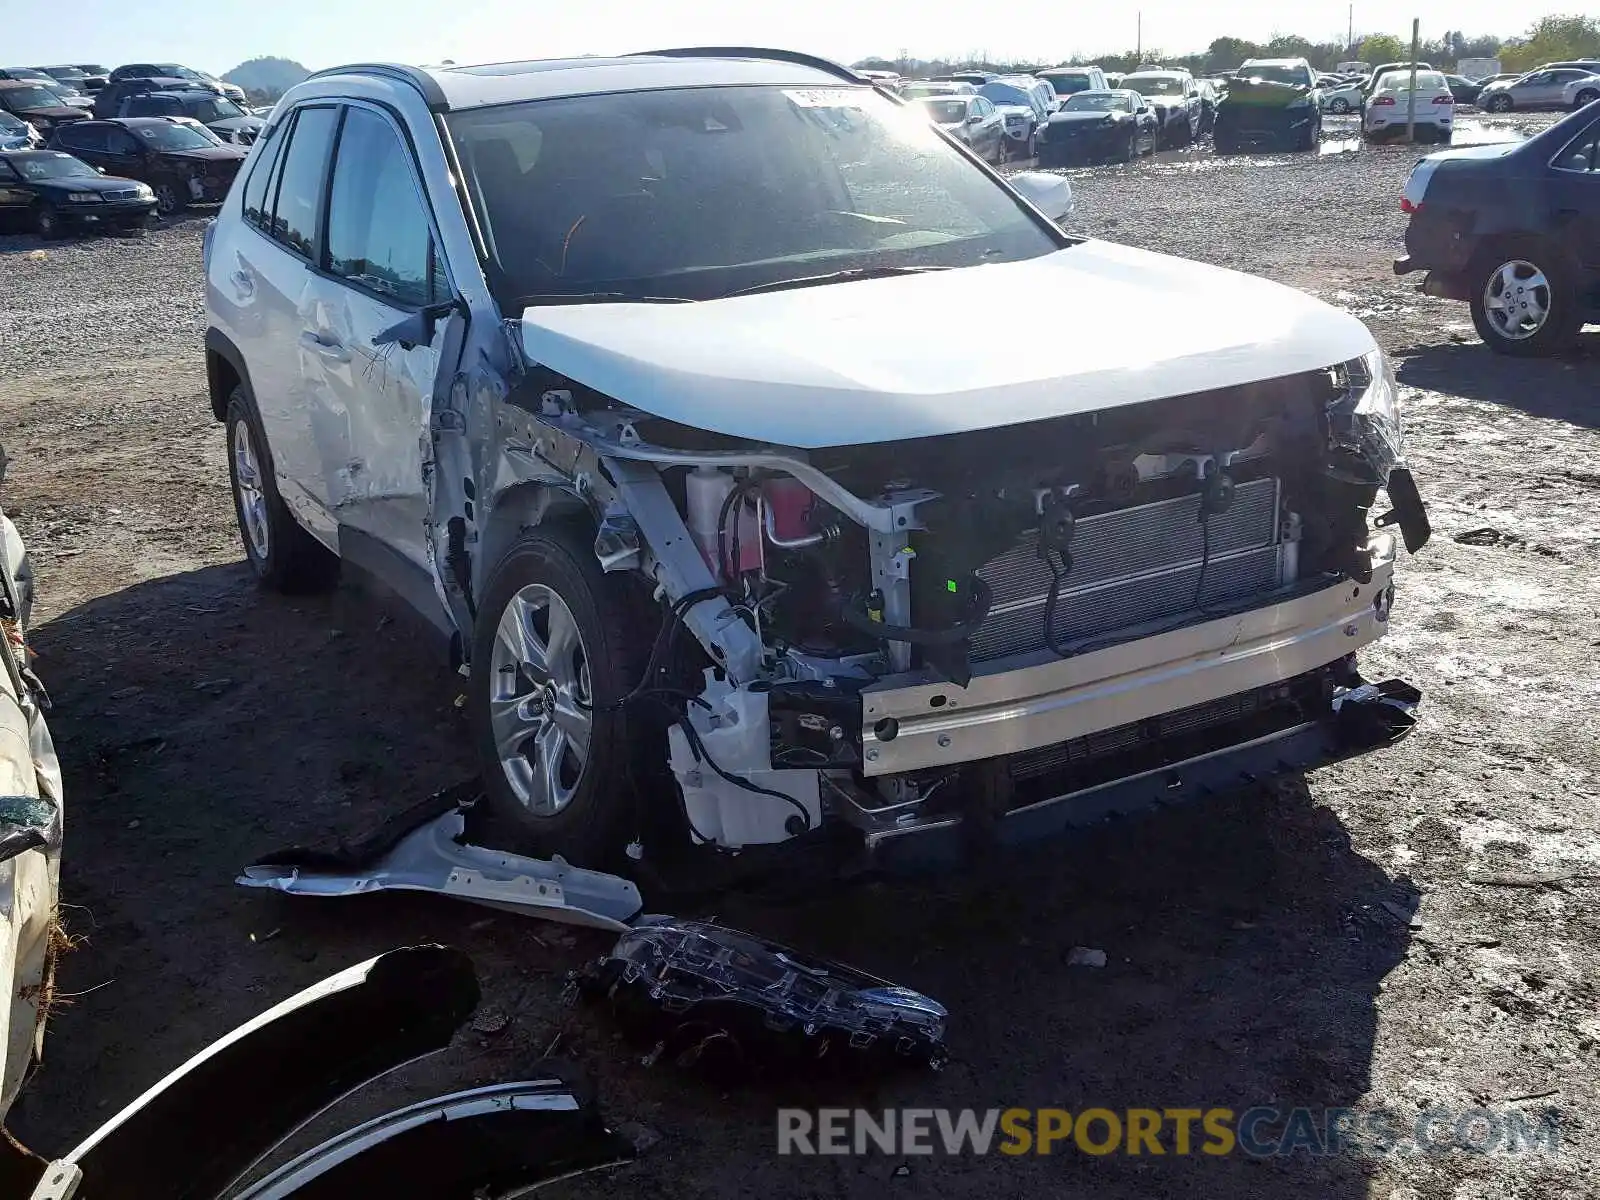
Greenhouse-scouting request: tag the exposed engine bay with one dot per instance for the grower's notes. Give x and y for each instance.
(945, 631)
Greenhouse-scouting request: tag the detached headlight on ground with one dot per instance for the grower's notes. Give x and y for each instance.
(1364, 432)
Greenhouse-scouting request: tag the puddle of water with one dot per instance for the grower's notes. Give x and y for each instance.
(1477, 133)
(1347, 145)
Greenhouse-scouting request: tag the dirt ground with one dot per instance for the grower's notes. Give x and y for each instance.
(1258, 944)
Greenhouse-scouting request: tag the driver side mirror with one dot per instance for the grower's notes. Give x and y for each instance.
(974, 118)
(417, 329)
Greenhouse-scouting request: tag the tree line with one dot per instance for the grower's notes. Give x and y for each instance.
(1549, 39)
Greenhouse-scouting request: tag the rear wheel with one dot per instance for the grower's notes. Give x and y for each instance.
(1523, 301)
(1339, 105)
(284, 556)
(1498, 104)
(555, 649)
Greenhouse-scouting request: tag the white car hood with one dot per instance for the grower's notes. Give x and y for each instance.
(913, 356)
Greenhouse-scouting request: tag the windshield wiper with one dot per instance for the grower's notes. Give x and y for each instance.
(539, 298)
(783, 285)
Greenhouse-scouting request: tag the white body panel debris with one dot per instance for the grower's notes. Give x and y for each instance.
(431, 858)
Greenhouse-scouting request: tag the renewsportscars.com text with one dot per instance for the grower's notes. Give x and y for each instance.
(1261, 1131)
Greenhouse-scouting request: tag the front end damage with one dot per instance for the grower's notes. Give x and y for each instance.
(1265, 113)
(997, 634)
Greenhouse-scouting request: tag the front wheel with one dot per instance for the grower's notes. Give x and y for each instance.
(1523, 303)
(168, 201)
(47, 223)
(1585, 98)
(1339, 105)
(555, 650)
(284, 557)
(1130, 150)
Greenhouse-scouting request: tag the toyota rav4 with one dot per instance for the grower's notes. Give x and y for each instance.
(644, 379)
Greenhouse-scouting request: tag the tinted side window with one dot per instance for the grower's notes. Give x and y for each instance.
(72, 137)
(378, 232)
(119, 141)
(257, 188)
(305, 162)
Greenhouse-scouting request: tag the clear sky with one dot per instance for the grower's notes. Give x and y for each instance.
(215, 35)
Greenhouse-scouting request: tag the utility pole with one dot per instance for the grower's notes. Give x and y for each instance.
(1350, 33)
(1411, 94)
(1138, 39)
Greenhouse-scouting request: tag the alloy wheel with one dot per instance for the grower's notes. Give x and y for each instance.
(166, 199)
(249, 492)
(1340, 105)
(540, 700)
(1517, 300)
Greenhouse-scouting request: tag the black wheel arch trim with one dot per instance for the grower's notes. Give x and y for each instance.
(220, 347)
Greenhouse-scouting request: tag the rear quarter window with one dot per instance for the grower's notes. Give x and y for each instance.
(257, 188)
(298, 202)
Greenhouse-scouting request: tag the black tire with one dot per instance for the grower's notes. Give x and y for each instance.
(1560, 329)
(1131, 150)
(1585, 98)
(1498, 104)
(292, 560)
(595, 826)
(1339, 105)
(47, 222)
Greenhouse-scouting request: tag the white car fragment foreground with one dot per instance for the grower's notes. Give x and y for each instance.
(30, 831)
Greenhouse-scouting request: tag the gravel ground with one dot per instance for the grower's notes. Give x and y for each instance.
(1259, 951)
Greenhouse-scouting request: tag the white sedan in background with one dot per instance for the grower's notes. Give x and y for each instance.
(1389, 107)
(1344, 97)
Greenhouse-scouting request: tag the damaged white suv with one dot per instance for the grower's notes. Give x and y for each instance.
(648, 380)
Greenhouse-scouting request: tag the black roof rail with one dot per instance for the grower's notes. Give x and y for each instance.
(788, 56)
(432, 93)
